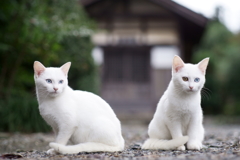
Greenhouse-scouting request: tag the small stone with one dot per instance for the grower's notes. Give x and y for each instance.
(19, 150)
(135, 147)
(216, 145)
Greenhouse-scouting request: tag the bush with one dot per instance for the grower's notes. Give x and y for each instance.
(21, 114)
(83, 72)
(232, 88)
(52, 32)
(223, 48)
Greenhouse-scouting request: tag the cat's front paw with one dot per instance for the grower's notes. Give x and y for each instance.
(51, 151)
(181, 148)
(194, 145)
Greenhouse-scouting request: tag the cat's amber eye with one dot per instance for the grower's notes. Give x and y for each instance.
(185, 78)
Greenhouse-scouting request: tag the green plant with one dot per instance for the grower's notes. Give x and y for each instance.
(21, 114)
(223, 48)
(52, 32)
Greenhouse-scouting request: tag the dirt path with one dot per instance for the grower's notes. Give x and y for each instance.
(221, 142)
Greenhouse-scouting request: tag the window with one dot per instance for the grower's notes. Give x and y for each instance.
(162, 56)
(127, 65)
(97, 54)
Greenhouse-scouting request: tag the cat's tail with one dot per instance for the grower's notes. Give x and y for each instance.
(164, 144)
(84, 147)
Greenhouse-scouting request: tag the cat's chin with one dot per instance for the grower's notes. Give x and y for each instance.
(54, 94)
(189, 91)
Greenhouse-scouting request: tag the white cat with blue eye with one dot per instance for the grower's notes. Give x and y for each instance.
(178, 118)
(82, 117)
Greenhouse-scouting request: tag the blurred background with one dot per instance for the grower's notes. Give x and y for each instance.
(121, 50)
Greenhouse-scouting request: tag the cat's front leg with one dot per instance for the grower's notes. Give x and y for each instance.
(196, 134)
(176, 132)
(52, 151)
(64, 134)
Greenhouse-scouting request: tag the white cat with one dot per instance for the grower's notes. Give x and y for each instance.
(83, 117)
(178, 118)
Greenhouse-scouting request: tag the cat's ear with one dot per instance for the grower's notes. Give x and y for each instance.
(65, 68)
(177, 64)
(203, 65)
(38, 68)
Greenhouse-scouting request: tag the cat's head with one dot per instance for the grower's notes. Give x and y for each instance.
(187, 77)
(50, 81)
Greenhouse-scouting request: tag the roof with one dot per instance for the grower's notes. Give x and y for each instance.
(169, 5)
(190, 25)
(176, 8)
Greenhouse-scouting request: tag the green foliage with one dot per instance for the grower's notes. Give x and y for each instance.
(83, 73)
(223, 49)
(21, 114)
(52, 32)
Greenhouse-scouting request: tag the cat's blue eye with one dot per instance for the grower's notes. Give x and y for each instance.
(196, 80)
(48, 80)
(61, 81)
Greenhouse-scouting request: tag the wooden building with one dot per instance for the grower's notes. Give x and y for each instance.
(138, 39)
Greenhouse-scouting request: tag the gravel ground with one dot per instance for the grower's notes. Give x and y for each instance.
(222, 141)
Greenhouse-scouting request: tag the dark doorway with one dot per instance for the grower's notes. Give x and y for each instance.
(123, 65)
(126, 78)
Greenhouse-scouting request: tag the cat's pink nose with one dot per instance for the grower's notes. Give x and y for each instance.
(55, 89)
(191, 87)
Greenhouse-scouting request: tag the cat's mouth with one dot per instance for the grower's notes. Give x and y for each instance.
(54, 93)
(190, 90)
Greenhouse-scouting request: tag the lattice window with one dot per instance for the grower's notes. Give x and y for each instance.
(126, 65)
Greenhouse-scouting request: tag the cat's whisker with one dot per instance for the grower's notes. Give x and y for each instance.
(205, 88)
(205, 93)
(204, 96)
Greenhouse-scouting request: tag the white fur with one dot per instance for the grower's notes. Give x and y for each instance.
(179, 111)
(82, 117)
(152, 143)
